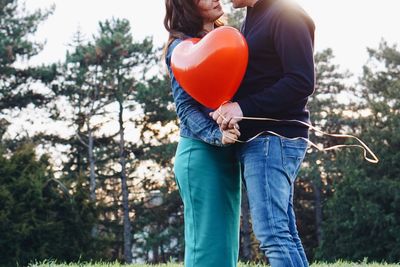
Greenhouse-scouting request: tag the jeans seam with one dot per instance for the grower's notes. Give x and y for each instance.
(283, 159)
(269, 202)
(266, 147)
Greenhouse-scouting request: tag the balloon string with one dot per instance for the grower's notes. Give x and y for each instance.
(365, 148)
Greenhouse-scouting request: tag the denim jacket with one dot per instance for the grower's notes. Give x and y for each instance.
(194, 119)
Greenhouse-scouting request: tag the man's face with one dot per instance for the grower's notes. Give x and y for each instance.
(239, 3)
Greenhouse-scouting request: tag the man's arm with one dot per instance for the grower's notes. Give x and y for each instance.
(294, 45)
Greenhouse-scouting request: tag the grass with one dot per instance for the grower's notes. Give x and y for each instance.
(117, 264)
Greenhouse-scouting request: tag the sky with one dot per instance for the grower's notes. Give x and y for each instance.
(346, 26)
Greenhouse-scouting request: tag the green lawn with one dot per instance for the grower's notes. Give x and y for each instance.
(116, 264)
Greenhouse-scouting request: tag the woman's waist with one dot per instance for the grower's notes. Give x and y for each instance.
(192, 144)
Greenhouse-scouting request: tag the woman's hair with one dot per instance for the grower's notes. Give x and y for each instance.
(182, 18)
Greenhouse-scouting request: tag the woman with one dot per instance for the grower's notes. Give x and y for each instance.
(206, 171)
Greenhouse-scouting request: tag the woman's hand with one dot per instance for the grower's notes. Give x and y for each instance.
(229, 136)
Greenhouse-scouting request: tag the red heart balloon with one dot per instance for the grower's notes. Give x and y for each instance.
(211, 69)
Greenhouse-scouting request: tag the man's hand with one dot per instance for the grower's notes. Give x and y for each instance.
(228, 111)
(230, 136)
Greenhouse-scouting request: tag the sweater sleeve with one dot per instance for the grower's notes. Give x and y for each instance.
(188, 109)
(294, 45)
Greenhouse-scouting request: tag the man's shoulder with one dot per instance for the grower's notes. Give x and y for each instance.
(288, 11)
(290, 14)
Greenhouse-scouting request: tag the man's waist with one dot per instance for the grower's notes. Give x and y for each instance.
(249, 129)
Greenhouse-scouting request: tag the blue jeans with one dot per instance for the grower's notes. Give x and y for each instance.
(270, 166)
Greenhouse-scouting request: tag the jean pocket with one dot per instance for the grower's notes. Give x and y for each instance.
(294, 143)
(293, 153)
(255, 150)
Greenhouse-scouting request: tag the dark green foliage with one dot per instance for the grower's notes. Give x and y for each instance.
(320, 170)
(16, 29)
(363, 217)
(39, 219)
(362, 220)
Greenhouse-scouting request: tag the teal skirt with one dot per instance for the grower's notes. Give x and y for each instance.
(208, 178)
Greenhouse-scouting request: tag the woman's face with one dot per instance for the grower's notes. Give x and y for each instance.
(210, 10)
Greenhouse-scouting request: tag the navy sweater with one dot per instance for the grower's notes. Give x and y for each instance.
(280, 75)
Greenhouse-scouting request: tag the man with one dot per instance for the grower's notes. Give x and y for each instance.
(278, 81)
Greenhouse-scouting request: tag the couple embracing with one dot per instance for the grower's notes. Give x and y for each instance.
(210, 167)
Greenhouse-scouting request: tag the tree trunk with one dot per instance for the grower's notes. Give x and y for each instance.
(92, 183)
(92, 173)
(246, 227)
(318, 210)
(125, 193)
(155, 253)
(163, 259)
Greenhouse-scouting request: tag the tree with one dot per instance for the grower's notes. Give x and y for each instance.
(362, 218)
(117, 56)
(16, 29)
(39, 219)
(160, 215)
(320, 170)
(82, 86)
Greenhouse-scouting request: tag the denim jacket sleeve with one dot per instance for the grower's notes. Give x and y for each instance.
(189, 111)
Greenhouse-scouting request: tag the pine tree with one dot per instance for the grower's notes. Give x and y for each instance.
(118, 58)
(39, 219)
(16, 29)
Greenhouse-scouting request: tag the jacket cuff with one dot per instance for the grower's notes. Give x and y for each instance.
(218, 138)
